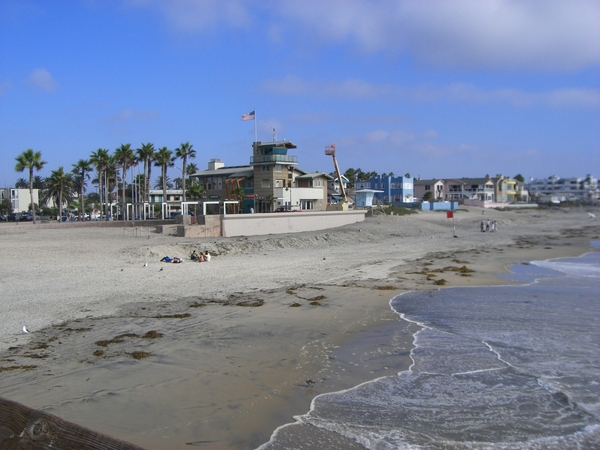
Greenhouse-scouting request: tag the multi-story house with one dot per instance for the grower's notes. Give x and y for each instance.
(393, 190)
(435, 186)
(271, 181)
(565, 189)
(481, 189)
(172, 199)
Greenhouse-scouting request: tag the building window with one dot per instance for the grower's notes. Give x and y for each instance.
(265, 168)
(278, 183)
(277, 167)
(318, 183)
(266, 183)
(396, 198)
(427, 187)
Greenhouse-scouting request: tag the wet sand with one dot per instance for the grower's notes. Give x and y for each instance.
(217, 355)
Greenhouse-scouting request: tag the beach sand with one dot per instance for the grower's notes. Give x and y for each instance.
(217, 355)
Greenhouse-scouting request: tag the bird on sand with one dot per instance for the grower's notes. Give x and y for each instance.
(145, 264)
(161, 269)
(25, 329)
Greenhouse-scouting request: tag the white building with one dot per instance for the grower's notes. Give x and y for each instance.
(564, 189)
(20, 199)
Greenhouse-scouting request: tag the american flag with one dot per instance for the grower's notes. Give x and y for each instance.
(250, 116)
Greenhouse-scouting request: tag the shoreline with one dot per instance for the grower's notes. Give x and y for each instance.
(244, 353)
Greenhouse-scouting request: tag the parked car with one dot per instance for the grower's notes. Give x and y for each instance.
(3, 218)
(14, 217)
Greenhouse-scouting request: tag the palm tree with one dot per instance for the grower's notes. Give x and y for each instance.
(39, 182)
(125, 157)
(240, 194)
(146, 153)
(100, 159)
(195, 191)
(158, 184)
(164, 159)
(191, 170)
(81, 169)
(21, 183)
(184, 152)
(31, 161)
(59, 188)
(270, 199)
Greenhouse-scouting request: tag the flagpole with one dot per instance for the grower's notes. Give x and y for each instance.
(255, 137)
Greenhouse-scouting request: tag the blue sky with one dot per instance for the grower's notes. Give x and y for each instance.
(434, 88)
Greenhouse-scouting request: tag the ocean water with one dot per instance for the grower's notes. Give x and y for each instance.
(508, 367)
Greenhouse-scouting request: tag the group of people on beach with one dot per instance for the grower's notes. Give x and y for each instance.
(200, 257)
(489, 226)
(197, 257)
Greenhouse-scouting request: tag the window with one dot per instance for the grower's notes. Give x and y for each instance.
(278, 183)
(317, 183)
(427, 187)
(278, 168)
(265, 168)
(396, 198)
(266, 183)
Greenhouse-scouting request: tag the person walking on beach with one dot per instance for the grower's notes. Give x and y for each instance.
(482, 226)
(487, 225)
(494, 226)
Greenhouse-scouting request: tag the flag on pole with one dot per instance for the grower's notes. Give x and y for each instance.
(250, 116)
(449, 215)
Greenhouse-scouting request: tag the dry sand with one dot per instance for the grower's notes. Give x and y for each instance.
(218, 354)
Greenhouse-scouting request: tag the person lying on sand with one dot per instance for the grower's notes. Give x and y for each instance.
(174, 259)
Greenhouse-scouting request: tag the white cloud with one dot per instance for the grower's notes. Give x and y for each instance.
(491, 34)
(129, 114)
(454, 93)
(42, 79)
(198, 15)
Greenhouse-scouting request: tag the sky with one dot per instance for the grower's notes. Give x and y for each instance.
(434, 88)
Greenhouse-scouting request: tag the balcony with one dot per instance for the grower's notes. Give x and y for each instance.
(265, 159)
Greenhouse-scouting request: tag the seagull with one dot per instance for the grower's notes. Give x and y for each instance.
(25, 329)
(145, 264)
(161, 269)
(592, 215)
(309, 381)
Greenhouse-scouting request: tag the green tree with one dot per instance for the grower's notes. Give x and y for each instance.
(520, 178)
(125, 156)
(146, 153)
(164, 159)
(21, 183)
(5, 206)
(239, 193)
(101, 161)
(191, 170)
(82, 168)
(31, 161)
(428, 196)
(184, 152)
(270, 200)
(195, 191)
(59, 188)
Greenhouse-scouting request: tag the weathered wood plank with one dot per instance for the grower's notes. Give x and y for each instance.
(25, 428)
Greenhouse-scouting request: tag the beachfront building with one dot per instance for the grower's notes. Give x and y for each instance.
(478, 189)
(393, 190)
(271, 181)
(564, 189)
(172, 199)
(435, 186)
(508, 190)
(20, 199)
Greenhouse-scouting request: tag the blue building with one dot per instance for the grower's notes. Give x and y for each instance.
(393, 190)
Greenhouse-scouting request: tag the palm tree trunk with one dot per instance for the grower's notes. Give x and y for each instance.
(31, 193)
(164, 186)
(183, 176)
